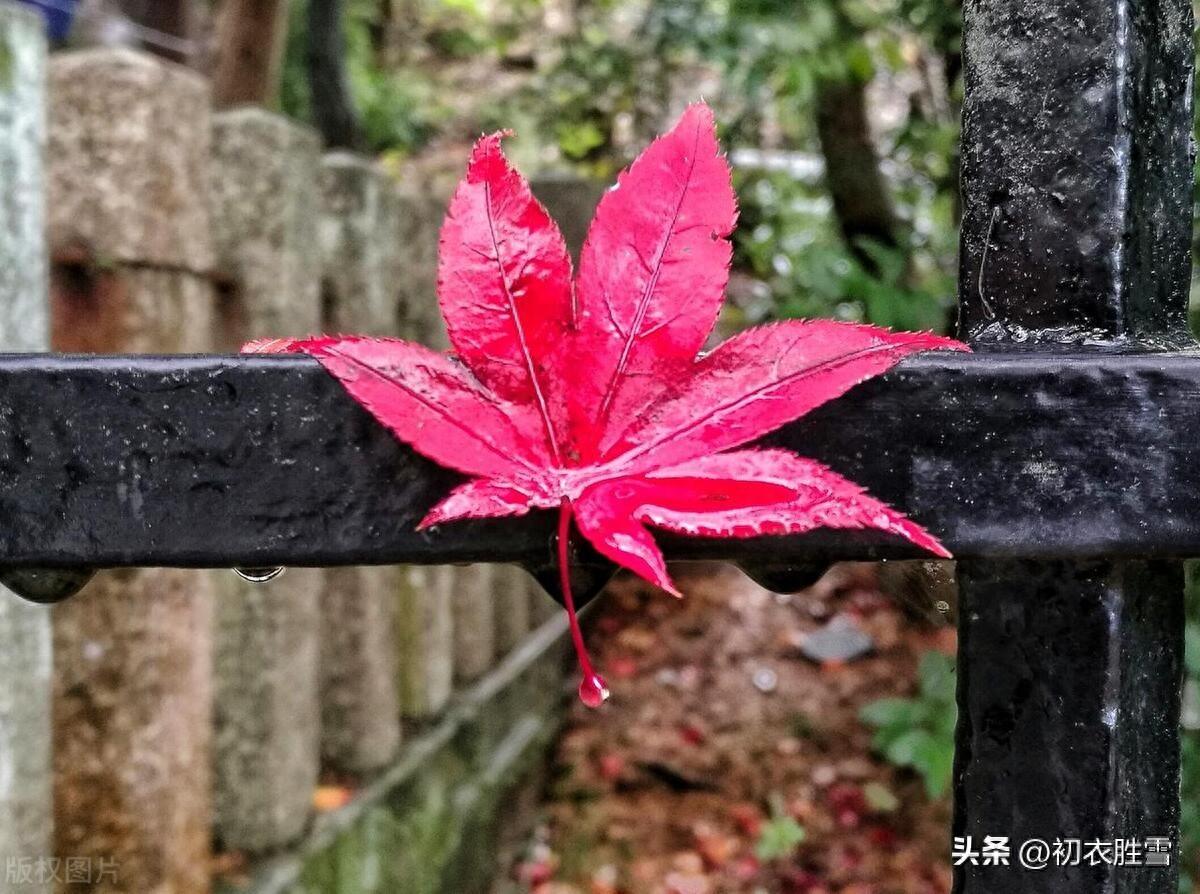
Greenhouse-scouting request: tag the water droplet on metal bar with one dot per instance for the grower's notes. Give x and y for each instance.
(258, 575)
(46, 585)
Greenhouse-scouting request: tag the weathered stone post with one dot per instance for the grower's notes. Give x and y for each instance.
(541, 607)
(419, 215)
(424, 616)
(510, 588)
(359, 702)
(25, 825)
(424, 640)
(127, 201)
(267, 720)
(474, 621)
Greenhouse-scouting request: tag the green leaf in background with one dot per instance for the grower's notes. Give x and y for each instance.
(889, 712)
(904, 748)
(859, 62)
(918, 733)
(1191, 649)
(880, 798)
(938, 680)
(934, 760)
(779, 838)
(578, 140)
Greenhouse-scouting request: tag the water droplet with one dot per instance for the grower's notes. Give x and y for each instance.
(593, 691)
(258, 575)
(765, 680)
(46, 585)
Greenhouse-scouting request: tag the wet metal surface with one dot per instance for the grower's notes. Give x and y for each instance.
(1077, 170)
(1060, 466)
(1077, 179)
(121, 461)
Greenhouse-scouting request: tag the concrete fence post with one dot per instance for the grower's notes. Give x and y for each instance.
(127, 200)
(474, 621)
(510, 587)
(267, 721)
(25, 660)
(424, 620)
(424, 639)
(359, 702)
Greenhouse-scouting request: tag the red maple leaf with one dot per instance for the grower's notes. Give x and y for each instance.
(593, 399)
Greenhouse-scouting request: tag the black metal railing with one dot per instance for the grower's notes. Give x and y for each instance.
(1059, 462)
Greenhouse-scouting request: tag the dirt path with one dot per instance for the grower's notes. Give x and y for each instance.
(721, 735)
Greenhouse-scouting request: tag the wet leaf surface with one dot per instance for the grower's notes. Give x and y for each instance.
(592, 398)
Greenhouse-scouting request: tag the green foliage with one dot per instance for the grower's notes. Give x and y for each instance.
(577, 102)
(774, 56)
(773, 66)
(779, 838)
(596, 91)
(1189, 820)
(788, 240)
(398, 106)
(608, 83)
(918, 733)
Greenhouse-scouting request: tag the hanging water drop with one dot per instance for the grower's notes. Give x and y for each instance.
(46, 585)
(593, 690)
(785, 577)
(258, 575)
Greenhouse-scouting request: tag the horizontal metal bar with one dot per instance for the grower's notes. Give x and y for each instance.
(220, 461)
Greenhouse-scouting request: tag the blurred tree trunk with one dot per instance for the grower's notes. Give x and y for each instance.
(249, 54)
(332, 103)
(862, 198)
(950, 45)
(862, 201)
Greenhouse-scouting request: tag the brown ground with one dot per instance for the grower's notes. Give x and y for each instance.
(667, 788)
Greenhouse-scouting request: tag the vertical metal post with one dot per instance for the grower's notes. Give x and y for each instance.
(1077, 229)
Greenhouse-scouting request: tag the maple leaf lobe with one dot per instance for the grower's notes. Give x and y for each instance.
(504, 286)
(652, 276)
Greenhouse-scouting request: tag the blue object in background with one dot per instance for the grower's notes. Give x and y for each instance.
(58, 15)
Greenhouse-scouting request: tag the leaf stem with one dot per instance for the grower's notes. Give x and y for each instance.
(593, 691)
